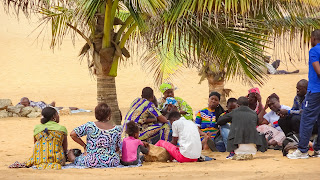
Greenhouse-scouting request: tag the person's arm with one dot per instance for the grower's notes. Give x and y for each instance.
(225, 119)
(264, 119)
(77, 139)
(201, 132)
(262, 113)
(144, 149)
(316, 67)
(185, 109)
(174, 140)
(162, 119)
(65, 143)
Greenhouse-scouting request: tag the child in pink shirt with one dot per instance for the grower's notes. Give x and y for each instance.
(132, 146)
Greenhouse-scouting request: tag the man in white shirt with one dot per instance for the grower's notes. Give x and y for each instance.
(272, 68)
(274, 134)
(187, 133)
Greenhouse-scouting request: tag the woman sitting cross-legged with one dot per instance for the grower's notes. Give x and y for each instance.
(206, 120)
(50, 142)
(103, 141)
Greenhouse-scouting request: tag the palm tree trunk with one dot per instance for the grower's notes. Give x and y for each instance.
(217, 84)
(107, 93)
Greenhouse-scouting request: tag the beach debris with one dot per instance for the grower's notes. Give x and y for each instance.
(8, 110)
(4, 103)
(3, 113)
(240, 157)
(26, 110)
(15, 115)
(10, 114)
(37, 109)
(157, 154)
(14, 109)
(34, 114)
(65, 111)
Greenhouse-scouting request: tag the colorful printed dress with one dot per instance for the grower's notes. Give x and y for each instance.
(206, 120)
(101, 146)
(48, 150)
(139, 111)
(182, 106)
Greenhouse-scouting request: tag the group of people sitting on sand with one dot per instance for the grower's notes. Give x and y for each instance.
(168, 122)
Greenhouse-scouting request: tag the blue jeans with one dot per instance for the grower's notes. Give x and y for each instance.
(310, 115)
(224, 130)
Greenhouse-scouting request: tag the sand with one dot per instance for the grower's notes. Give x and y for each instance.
(29, 68)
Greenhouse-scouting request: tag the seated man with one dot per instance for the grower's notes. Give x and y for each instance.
(149, 120)
(274, 133)
(272, 68)
(243, 137)
(26, 102)
(186, 132)
(290, 119)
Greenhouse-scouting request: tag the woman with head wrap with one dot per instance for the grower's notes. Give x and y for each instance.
(167, 89)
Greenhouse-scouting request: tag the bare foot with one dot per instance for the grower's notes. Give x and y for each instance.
(73, 108)
(205, 142)
(53, 104)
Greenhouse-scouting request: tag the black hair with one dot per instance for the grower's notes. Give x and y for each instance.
(24, 98)
(214, 93)
(147, 93)
(243, 101)
(303, 82)
(174, 115)
(132, 128)
(316, 34)
(274, 95)
(102, 111)
(47, 113)
(231, 100)
(155, 101)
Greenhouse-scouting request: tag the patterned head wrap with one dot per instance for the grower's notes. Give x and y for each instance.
(166, 86)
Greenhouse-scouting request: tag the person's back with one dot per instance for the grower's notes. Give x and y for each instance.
(50, 142)
(103, 141)
(186, 133)
(243, 136)
(245, 121)
(189, 137)
(132, 146)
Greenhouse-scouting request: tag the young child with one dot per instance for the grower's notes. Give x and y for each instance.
(243, 137)
(132, 146)
(187, 133)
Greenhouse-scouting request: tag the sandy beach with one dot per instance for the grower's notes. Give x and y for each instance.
(29, 68)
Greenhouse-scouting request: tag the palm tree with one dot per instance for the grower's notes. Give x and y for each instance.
(189, 28)
(243, 39)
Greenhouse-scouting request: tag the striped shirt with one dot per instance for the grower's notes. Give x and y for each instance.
(206, 120)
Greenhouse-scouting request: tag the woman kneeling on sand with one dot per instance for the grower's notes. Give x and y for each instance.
(50, 142)
(103, 141)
